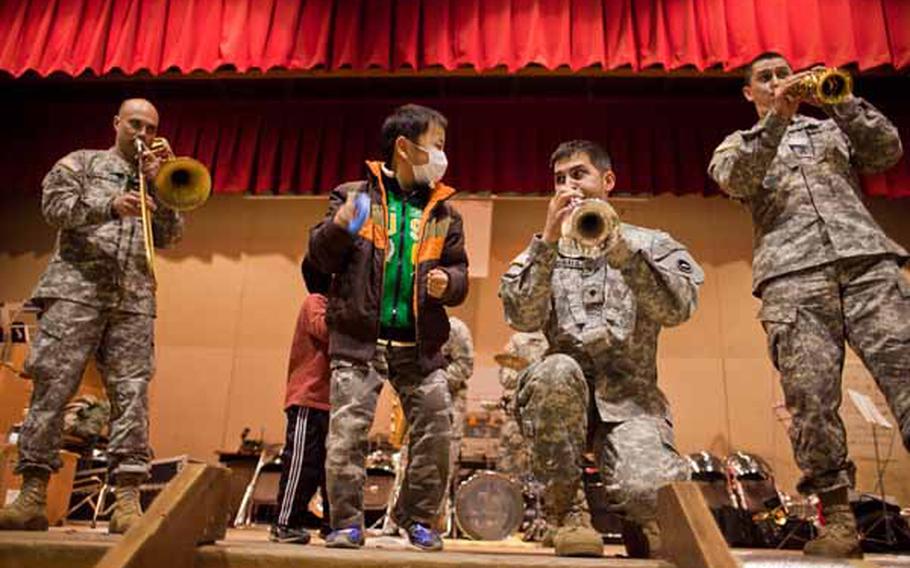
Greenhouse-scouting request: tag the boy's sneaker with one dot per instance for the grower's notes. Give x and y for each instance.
(351, 537)
(289, 535)
(424, 538)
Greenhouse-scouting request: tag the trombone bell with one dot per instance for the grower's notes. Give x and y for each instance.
(183, 184)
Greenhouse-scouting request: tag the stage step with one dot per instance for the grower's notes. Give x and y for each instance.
(81, 548)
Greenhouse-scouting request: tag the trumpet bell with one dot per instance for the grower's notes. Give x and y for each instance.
(183, 184)
(829, 85)
(833, 86)
(591, 223)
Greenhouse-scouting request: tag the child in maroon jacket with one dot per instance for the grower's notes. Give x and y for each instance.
(307, 407)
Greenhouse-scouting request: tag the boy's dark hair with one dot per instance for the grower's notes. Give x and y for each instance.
(409, 121)
(594, 151)
(747, 73)
(316, 281)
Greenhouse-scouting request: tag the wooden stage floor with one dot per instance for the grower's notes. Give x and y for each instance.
(77, 546)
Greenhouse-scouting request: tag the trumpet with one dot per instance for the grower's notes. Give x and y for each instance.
(182, 184)
(591, 223)
(828, 85)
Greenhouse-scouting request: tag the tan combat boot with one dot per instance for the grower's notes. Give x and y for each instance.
(838, 538)
(576, 537)
(655, 544)
(127, 509)
(29, 511)
(549, 536)
(642, 539)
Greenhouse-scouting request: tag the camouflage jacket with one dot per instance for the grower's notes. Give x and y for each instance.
(99, 259)
(606, 319)
(458, 352)
(799, 180)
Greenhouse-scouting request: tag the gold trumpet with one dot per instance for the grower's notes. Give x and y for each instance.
(828, 85)
(181, 183)
(591, 223)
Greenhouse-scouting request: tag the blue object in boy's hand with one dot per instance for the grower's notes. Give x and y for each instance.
(362, 206)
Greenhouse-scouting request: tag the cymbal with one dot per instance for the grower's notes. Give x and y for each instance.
(511, 361)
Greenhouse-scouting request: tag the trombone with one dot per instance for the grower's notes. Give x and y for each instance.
(181, 184)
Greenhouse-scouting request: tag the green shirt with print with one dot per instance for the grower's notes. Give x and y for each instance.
(397, 309)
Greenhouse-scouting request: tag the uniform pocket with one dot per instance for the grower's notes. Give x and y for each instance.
(779, 321)
(902, 309)
(45, 349)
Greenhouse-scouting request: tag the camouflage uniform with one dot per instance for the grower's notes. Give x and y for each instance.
(428, 411)
(824, 269)
(97, 299)
(459, 354)
(513, 457)
(599, 383)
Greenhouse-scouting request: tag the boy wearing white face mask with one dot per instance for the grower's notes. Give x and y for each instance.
(396, 264)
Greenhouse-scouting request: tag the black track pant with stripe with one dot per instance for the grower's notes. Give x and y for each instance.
(302, 465)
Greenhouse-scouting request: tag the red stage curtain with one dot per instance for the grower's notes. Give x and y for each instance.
(75, 36)
(497, 145)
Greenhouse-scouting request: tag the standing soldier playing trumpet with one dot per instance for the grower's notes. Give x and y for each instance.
(600, 291)
(97, 297)
(825, 271)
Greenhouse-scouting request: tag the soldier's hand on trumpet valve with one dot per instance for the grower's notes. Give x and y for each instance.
(788, 94)
(560, 206)
(129, 204)
(786, 100)
(618, 252)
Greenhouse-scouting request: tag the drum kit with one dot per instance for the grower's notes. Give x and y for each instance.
(489, 506)
(749, 508)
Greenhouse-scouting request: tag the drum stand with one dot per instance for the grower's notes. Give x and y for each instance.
(451, 526)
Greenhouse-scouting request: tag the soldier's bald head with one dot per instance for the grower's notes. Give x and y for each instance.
(143, 106)
(135, 119)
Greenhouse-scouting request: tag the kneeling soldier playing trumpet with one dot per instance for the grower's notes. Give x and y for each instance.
(600, 291)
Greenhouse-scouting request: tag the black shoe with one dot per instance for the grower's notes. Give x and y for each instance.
(289, 535)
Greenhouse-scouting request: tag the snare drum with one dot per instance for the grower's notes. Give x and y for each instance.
(489, 506)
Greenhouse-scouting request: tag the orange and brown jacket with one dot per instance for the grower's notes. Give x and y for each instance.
(357, 263)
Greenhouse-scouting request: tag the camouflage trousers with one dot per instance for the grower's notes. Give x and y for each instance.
(512, 458)
(807, 316)
(635, 457)
(69, 333)
(428, 410)
(459, 409)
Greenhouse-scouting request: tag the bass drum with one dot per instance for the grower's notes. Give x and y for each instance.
(489, 506)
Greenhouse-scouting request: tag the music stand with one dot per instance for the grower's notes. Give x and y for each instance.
(782, 415)
(876, 420)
